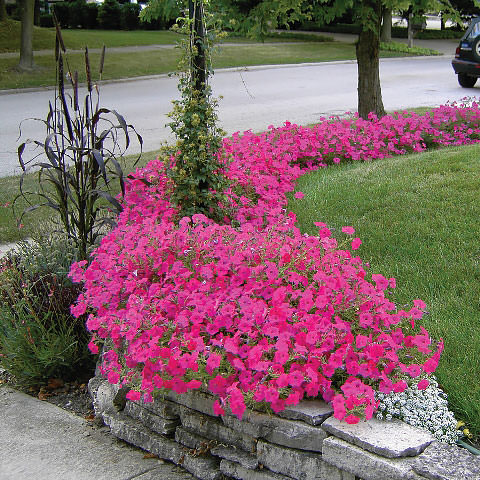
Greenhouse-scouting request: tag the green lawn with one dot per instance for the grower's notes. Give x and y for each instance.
(417, 216)
(44, 38)
(154, 62)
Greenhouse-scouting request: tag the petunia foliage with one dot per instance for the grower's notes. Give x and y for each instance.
(251, 309)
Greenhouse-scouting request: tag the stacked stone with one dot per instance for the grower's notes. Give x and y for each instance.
(303, 442)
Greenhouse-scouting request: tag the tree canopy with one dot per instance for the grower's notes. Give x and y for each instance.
(257, 17)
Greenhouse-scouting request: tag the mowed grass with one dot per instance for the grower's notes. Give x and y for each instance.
(44, 38)
(154, 62)
(417, 216)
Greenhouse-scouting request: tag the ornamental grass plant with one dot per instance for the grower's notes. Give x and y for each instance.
(39, 338)
(253, 309)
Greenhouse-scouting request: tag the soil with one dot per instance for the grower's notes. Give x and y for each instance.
(72, 396)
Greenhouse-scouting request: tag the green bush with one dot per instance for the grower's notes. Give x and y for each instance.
(130, 16)
(46, 20)
(39, 338)
(401, 47)
(62, 12)
(397, 32)
(77, 14)
(109, 15)
(440, 34)
(90, 14)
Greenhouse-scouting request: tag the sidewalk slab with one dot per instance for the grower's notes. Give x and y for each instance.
(43, 442)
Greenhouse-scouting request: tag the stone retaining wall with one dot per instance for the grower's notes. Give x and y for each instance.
(304, 442)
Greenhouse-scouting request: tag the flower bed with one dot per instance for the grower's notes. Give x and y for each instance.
(258, 313)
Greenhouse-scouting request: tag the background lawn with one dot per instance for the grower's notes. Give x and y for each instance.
(284, 48)
(154, 62)
(44, 38)
(417, 216)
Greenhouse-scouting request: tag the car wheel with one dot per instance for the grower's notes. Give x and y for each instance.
(466, 81)
(476, 49)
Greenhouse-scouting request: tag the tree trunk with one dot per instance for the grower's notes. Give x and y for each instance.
(369, 89)
(3, 11)
(386, 33)
(410, 30)
(26, 45)
(442, 22)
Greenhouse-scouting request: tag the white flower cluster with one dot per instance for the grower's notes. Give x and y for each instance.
(426, 409)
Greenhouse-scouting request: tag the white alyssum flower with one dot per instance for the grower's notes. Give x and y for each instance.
(426, 409)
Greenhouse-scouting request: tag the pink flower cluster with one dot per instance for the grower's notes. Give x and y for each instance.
(252, 309)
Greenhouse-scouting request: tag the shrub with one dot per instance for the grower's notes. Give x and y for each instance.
(39, 338)
(62, 12)
(130, 16)
(90, 14)
(401, 47)
(46, 20)
(253, 310)
(109, 15)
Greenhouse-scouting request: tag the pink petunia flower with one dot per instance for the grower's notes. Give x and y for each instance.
(348, 230)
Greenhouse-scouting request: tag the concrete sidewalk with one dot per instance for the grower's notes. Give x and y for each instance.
(39, 441)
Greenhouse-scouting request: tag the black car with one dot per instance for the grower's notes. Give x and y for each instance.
(467, 56)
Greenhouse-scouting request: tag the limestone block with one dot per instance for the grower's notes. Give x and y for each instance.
(124, 427)
(366, 465)
(313, 412)
(389, 439)
(235, 470)
(289, 433)
(440, 461)
(213, 429)
(192, 440)
(196, 400)
(150, 420)
(297, 464)
(236, 455)
(106, 397)
(204, 468)
(162, 408)
(130, 430)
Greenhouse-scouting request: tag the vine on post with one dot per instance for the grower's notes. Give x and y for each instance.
(196, 168)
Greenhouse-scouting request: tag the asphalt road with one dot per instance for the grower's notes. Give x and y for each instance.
(253, 98)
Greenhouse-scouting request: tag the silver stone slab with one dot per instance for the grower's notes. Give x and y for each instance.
(192, 440)
(196, 400)
(313, 412)
(234, 470)
(288, 433)
(366, 465)
(213, 429)
(447, 462)
(389, 439)
(162, 408)
(150, 420)
(296, 464)
(236, 455)
(124, 427)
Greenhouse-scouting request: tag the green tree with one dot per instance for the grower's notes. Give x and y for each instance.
(109, 15)
(257, 18)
